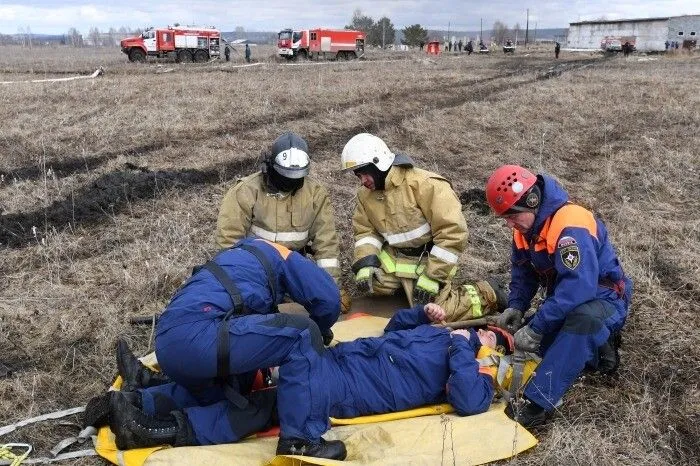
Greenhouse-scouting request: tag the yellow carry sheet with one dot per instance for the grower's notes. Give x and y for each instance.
(423, 436)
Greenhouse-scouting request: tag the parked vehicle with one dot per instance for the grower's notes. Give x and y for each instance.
(184, 44)
(341, 44)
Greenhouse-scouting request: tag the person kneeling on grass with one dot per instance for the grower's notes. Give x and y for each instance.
(413, 364)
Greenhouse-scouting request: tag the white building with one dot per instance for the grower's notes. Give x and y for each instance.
(647, 34)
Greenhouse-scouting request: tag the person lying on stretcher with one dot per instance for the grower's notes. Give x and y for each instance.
(413, 364)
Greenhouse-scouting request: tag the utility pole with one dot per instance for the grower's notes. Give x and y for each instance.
(534, 36)
(383, 33)
(481, 30)
(527, 25)
(449, 23)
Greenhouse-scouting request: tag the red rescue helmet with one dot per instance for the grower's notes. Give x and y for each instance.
(505, 344)
(507, 185)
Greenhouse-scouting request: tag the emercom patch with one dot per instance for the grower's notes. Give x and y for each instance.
(570, 256)
(565, 241)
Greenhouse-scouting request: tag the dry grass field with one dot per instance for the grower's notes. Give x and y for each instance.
(109, 192)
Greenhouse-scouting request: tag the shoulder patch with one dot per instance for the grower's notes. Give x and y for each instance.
(570, 256)
(565, 241)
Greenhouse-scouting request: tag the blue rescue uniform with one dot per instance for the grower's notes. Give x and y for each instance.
(186, 336)
(568, 252)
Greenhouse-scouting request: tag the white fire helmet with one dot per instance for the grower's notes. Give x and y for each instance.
(364, 149)
(290, 156)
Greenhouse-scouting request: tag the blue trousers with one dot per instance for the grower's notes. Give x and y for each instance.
(188, 355)
(567, 351)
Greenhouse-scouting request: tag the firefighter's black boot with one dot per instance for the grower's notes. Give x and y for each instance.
(134, 374)
(501, 292)
(528, 414)
(133, 428)
(609, 355)
(97, 411)
(331, 449)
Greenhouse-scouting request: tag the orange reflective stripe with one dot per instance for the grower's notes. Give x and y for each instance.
(541, 244)
(519, 240)
(490, 371)
(571, 215)
(284, 252)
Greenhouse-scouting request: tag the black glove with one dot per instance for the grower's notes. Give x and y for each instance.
(327, 337)
(511, 319)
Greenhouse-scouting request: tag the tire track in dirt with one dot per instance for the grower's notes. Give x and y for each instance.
(66, 166)
(113, 192)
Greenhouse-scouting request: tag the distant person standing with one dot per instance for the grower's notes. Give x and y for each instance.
(557, 48)
(460, 44)
(227, 53)
(627, 48)
(470, 47)
(666, 44)
(422, 44)
(247, 53)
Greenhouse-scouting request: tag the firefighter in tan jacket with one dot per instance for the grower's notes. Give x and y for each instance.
(281, 204)
(409, 232)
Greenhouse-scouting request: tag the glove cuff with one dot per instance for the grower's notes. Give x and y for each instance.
(368, 261)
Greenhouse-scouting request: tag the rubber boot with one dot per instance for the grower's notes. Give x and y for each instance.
(133, 428)
(501, 292)
(331, 449)
(97, 411)
(609, 355)
(134, 374)
(528, 415)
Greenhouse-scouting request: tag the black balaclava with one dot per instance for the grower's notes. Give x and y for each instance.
(377, 175)
(282, 183)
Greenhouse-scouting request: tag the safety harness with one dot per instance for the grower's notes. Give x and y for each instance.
(230, 384)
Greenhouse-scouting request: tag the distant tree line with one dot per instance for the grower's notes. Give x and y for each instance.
(73, 37)
(382, 33)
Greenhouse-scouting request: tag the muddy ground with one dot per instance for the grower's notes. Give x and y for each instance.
(109, 191)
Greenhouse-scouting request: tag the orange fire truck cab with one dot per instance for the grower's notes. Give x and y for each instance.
(184, 44)
(341, 44)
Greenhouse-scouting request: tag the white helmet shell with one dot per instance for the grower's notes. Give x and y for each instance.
(290, 156)
(364, 149)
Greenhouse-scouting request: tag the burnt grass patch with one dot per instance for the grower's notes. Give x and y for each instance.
(107, 196)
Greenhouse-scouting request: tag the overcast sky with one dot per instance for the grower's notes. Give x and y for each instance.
(57, 16)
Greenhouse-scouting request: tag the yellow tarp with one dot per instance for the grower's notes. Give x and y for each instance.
(422, 436)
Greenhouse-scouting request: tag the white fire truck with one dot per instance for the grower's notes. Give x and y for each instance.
(341, 44)
(184, 44)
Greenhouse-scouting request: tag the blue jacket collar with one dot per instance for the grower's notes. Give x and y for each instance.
(553, 197)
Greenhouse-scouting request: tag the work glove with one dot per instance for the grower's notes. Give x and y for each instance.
(511, 319)
(526, 339)
(327, 337)
(425, 290)
(364, 278)
(345, 301)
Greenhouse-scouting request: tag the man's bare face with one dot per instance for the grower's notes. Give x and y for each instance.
(487, 338)
(521, 221)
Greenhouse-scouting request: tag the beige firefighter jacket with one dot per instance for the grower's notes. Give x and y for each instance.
(249, 209)
(415, 208)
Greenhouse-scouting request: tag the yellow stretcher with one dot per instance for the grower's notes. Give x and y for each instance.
(424, 436)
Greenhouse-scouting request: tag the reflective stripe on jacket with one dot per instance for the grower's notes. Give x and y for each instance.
(569, 253)
(249, 209)
(415, 208)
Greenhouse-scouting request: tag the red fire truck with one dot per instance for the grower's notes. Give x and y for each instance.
(342, 44)
(184, 44)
